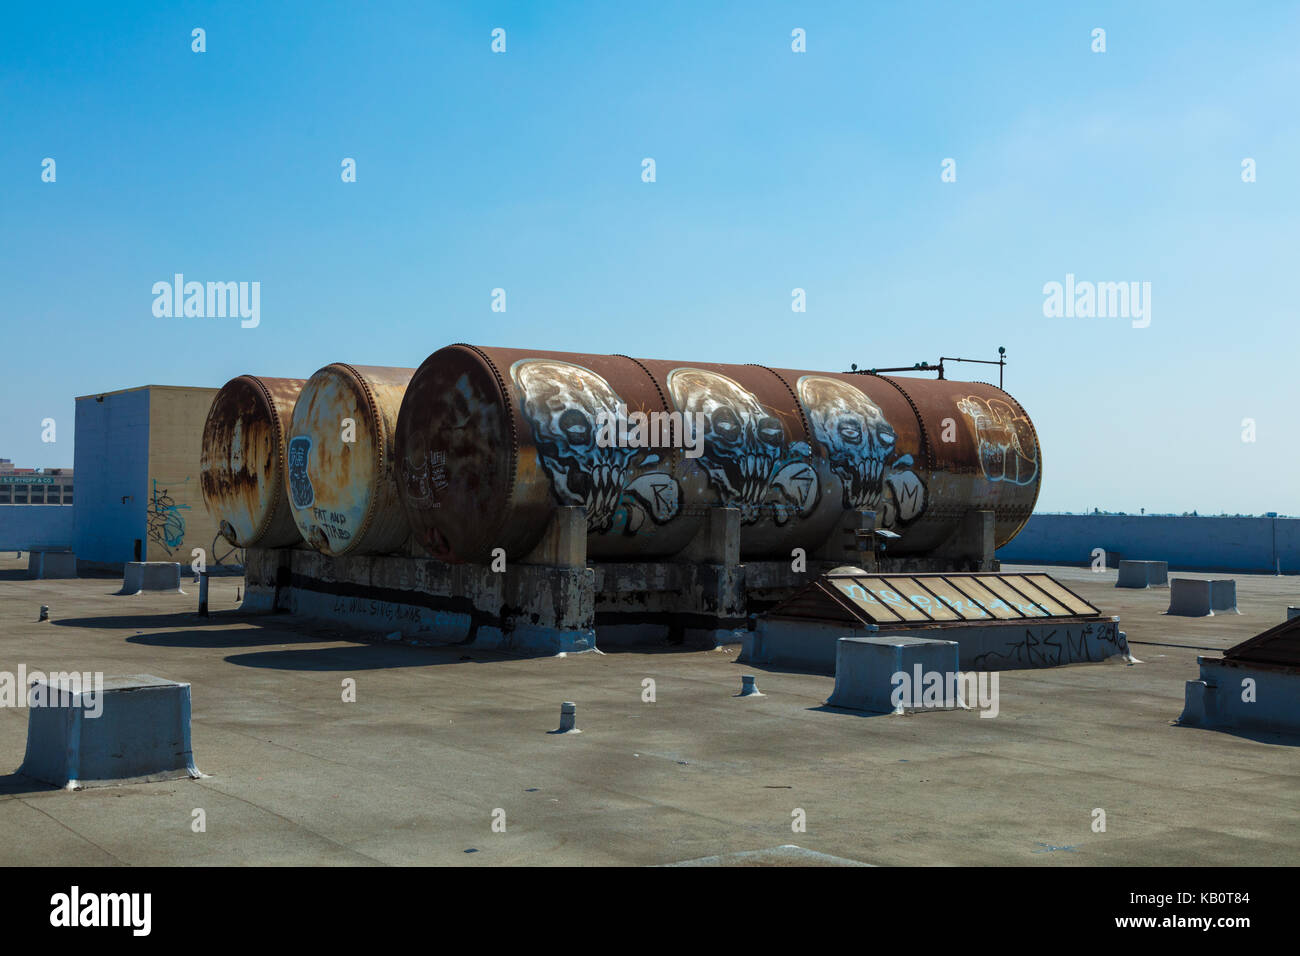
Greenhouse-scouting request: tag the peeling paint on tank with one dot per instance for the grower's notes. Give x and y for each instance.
(340, 476)
(491, 441)
(241, 469)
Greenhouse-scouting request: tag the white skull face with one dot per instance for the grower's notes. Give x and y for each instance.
(565, 404)
(857, 438)
(742, 441)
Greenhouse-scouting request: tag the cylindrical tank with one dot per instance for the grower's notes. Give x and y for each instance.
(339, 478)
(922, 452)
(490, 441)
(242, 467)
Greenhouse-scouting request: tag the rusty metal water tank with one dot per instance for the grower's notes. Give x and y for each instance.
(490, 441)
(242, 467)
(929, 451)
(339, 478)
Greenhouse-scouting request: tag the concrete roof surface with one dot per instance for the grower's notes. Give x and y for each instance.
(439, 739)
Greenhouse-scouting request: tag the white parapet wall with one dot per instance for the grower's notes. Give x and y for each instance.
(37, 527)
(1263, 544)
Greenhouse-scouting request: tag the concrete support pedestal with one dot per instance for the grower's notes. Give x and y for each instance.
(851, 542)
(51, 564)
(529, 608)
(151, 576)
(1143, 574)
(717, 541)
(565, 543)
(1191, 597)
(971, 546)
(128, 730)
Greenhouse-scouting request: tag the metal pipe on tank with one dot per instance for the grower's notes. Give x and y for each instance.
(340, 479)
(242, 468)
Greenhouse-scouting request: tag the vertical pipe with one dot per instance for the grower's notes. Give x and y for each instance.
(1277, 562)
(203, 594)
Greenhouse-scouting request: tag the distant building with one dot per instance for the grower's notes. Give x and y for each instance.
(36, 507)
(138, 495)
(27, 486)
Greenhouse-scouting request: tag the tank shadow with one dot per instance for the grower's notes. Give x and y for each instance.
(175, 619)
(848, 712)
(1258, 736)
(361, 657)
(253, 637)
(15, 783)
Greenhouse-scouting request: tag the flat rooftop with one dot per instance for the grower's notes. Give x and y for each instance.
(440, 739)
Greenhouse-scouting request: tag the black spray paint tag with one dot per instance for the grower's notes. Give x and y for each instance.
(301, 493)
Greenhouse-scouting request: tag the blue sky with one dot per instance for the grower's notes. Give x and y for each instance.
(775, 170)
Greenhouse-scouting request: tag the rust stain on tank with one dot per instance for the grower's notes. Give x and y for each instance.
(340, 479)
(983, 447)
(491, 440)
(241, 471)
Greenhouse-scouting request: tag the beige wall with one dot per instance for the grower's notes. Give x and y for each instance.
(178, 522)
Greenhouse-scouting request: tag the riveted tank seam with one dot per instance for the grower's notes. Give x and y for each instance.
(358, 486)
(920, 421)
(277, 433)
(508, 403)
(248, 399)
(662, 397)
(803, 419)
(1038, 448)
(381, 440)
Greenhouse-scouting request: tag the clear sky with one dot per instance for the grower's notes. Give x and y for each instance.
(775, 170)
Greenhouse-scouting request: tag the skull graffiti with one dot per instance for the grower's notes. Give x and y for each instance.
(743, 441)
(859, 441)
(565, 405)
